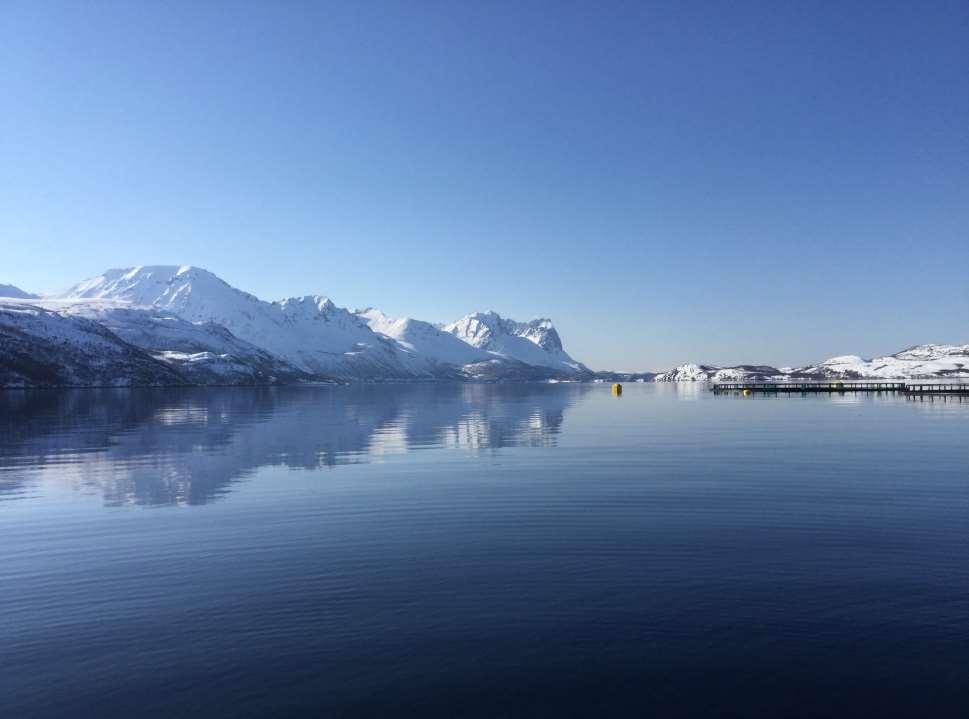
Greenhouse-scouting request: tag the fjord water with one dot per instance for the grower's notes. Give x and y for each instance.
(475, 550)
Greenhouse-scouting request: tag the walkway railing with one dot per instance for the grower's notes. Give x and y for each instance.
(829, 387)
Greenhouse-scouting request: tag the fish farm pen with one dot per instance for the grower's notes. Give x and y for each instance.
(838, 387)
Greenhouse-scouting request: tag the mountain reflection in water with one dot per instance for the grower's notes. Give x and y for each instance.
(482, 550)
(171, 446)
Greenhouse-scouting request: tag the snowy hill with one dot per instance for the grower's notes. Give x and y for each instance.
(40, 348)
(919, 362)
(687, 373)
(709, 373)
(15, 293)
(535, 343)
(931, 361)
(203, 353)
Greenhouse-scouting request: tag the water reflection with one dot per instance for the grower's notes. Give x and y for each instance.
(162, 447)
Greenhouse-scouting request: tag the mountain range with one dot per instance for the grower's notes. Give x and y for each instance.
(918, 362)
(183, 325)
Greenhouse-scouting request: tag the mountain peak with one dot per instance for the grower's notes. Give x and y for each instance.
(535, 342)
(378, 318)
(319, 304)
(315, 335)
(15, 292)
(144, 284)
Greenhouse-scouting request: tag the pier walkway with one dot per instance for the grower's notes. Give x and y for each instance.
(838, 387)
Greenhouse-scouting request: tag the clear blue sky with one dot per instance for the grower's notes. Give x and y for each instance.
(718, 182)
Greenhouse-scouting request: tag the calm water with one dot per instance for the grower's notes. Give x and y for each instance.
(449, 550)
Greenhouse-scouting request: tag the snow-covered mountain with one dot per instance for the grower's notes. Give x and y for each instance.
(484, 346)
(919, 362)
(203, 352)
(310, 334)
(77, 343)
(422, 339)
(14, 292)
(535, 343)
(709, 373)
(41, 348)
(687, 373)
(931, 361)
(181, 324)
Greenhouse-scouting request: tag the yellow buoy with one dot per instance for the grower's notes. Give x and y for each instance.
(617, 389)
(747, 393)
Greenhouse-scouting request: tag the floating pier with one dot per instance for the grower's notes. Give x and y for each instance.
(839, 387)
(937, 389)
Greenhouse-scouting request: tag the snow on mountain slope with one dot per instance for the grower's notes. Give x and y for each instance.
(686, 373)
(746, 372)
(709, 373)
(423, 339)
(15, 292)
(535, 343)
(317, 336)
(161, 285)
(310, 332)
(437, 349)
(918, 362)
(205, 352)
(40, 348)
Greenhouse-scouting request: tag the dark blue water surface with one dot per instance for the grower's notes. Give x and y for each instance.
(469, 550)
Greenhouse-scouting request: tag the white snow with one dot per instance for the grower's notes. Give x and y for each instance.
(314, 334)
(423, 339)
(51, 347)
(687, 373)
(310, 331)
(37, 321)
(185, 314)
(535, 343)
(919, 362)
(205, 346)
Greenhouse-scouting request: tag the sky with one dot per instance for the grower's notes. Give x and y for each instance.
(669, 182)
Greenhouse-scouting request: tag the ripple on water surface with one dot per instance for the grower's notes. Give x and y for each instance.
(482, 550)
